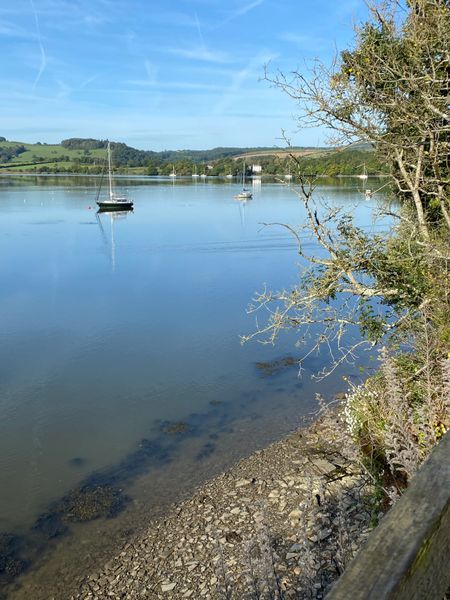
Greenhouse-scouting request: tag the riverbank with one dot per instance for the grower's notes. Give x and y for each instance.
(287, 518)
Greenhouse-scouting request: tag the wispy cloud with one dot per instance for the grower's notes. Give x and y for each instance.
(295, 38)
(246, 8)
(176, 85)
(152, 72)
(64, 90)
(239, 12)
(200, 53)
(41, 47)
(86, 82)
(251, 71)
(174, 19)
(305, 42)
(13, 30)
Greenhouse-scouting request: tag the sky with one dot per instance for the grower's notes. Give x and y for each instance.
(162, 74)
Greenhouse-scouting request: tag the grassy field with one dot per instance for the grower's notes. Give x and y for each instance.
(50, 155)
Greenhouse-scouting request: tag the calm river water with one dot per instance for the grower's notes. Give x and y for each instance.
(115, 329)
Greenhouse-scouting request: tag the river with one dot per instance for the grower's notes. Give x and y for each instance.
(121, 358)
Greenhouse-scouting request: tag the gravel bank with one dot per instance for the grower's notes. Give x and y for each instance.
(280, 524)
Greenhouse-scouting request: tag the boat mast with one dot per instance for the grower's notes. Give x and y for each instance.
(110, 173)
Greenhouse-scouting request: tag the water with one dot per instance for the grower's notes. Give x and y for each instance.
(114, 326)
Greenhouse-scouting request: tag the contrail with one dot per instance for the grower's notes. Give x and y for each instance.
(43, 55)
(247, 8)
(199, 29)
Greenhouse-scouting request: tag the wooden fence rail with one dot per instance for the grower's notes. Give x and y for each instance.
(407, 557)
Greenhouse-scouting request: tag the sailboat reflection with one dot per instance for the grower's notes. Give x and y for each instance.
(242, 205)
(114, 215)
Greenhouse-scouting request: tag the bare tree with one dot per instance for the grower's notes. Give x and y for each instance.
(393, 90)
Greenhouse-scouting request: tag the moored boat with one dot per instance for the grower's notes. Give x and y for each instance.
(114, 201)
(244, 194)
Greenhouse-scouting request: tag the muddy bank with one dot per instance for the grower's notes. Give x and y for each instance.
(285, 520)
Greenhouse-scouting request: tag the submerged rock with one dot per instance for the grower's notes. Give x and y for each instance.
(87, 503)
(50, 525)
(77, 461)
(11, 563)
(206, 450)
(216, 402)
(179, 427)
(276, 366)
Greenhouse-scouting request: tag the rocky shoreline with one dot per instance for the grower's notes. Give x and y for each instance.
(282, 523)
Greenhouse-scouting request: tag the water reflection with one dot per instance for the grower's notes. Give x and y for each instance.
(114, 215)
(188, 266)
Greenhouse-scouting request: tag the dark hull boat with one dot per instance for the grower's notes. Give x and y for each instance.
(114, 204)
(115, 201)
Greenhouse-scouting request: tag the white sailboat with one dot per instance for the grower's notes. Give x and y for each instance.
(195, 174)
(174, 173)
(114, 201)
(244, 194)
(363, 175)
(288, 175)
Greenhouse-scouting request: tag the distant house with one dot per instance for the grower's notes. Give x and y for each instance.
(256, 169)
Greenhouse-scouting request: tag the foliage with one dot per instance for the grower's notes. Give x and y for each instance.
(83, 143)
(9, 152)
(391, 89)
(398, 415)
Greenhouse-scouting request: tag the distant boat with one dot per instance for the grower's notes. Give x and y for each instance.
(203, 175)
(229, 176)
(115, 201)
(288, 175)
(174, 173)
(364, 173)
(195, 174)
(244, 194)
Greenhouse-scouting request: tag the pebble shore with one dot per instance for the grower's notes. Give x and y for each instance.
(282, 523)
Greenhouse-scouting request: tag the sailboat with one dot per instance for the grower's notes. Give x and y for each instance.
(288, 175)
(115, 201)
(363, 175)
(174, 173)
(195, 174)
(245, 194)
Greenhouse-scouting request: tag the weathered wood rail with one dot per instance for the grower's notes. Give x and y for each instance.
(408, 556)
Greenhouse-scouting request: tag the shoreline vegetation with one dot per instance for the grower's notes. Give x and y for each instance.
(87, 156)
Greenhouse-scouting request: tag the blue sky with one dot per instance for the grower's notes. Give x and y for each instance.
(161, 74)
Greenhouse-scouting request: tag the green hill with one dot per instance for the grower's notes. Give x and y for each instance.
(87, 155)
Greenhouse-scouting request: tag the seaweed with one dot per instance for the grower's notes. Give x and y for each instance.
(206, 451)
(12, 563)
(274, 367)
(178, 427)
(77, 461)
(50, 525)
(87, 503)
